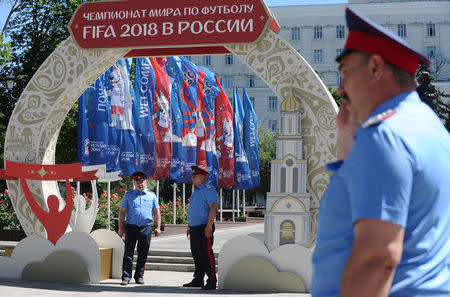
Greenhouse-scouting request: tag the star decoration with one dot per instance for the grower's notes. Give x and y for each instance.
(288, 205)
(42, 172)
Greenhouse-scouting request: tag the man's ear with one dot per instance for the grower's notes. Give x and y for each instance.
(377, 66)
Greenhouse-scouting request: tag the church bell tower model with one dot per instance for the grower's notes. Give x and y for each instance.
(288, 218)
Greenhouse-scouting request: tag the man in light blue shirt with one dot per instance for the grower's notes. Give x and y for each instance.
(200, 231)
(139, 206)
(384, 222)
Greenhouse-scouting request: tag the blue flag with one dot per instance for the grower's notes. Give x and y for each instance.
(83, 130)
(251, 139)
(173, 70)
(143, 113)
(122, 96)
(189, 109)
(94, 117)
(242, 179)
(211, 91)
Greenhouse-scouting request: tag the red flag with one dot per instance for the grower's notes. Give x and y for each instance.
(201, 129)
(161, 119)
(224, 138)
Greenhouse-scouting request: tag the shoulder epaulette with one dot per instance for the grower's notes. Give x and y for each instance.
(376, 119)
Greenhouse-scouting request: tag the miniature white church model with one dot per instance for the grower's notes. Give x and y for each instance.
(288, 219)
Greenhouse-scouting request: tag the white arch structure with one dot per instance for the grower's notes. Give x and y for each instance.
(40, 112)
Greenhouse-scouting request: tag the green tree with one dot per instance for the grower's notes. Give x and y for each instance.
(267, 152)
(335, 95)
(431, 95)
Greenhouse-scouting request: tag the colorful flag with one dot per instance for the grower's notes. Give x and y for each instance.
(251, 139)
(162, 119)
(211, 91)
(173, 70)
(189, 106)
(143, 116)
(242, 179)
(122, 135)
(224, 138)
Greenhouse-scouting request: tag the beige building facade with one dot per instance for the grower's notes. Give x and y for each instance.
(318, 33)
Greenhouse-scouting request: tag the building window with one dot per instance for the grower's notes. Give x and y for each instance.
(317, 32)
(229, 59)
(339, 51)
(282, 179)
(228, 82)
(431, 30)
(295, 180)
(318, 55)
(295, 33)
(273, 125)
(207, 60)
(251, 81)
(401, 30)
(338, 79)
(431, 52)
(252, 101)
(273, 103)
(340, 31)
(187, 57)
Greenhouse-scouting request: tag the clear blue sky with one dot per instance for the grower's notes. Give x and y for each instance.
(5, 5)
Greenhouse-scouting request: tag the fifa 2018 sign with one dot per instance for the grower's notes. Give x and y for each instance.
(170, 23)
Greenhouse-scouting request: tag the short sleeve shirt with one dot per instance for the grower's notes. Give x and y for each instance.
(198, 211)
(140, 207)
(399, 172)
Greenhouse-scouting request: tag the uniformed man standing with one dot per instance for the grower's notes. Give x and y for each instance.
(384, 221)
(138, 205)
(200, 230)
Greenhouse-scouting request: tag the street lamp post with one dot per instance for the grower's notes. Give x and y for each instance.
(10, 80)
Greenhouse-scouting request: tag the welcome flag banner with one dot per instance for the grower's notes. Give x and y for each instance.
(224, 138)
(242, 179)
(176, 116)
(251, 139)
(173, 70)
(143, 116)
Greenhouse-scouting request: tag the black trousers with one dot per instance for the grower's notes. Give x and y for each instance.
(202, 252)
(142, 235)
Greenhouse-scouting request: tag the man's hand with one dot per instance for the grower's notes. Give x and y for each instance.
(347, 127)
(157, 232)
(208, 231)
(121, 232)
(188, 233)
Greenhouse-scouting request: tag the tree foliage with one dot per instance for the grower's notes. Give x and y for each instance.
(431, 95)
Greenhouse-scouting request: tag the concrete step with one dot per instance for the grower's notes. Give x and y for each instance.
(176, 260)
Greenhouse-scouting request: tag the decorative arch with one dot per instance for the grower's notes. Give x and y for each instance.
(289, 197)
(69, 70)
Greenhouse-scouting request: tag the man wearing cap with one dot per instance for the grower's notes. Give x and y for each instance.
(384, 221)
(138, 205)
(200, 231)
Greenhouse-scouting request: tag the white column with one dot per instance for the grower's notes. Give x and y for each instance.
(237, 202)
(109, 205)
(78, 188)
(174, 203)
(243, 202)
(232, 206)
(221, 205)
(184, 198)
(157, 189)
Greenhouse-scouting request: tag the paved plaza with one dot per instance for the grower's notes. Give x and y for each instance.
(157, 283)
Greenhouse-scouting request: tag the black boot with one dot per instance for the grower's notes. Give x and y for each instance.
(209, 286)
(195, 283)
